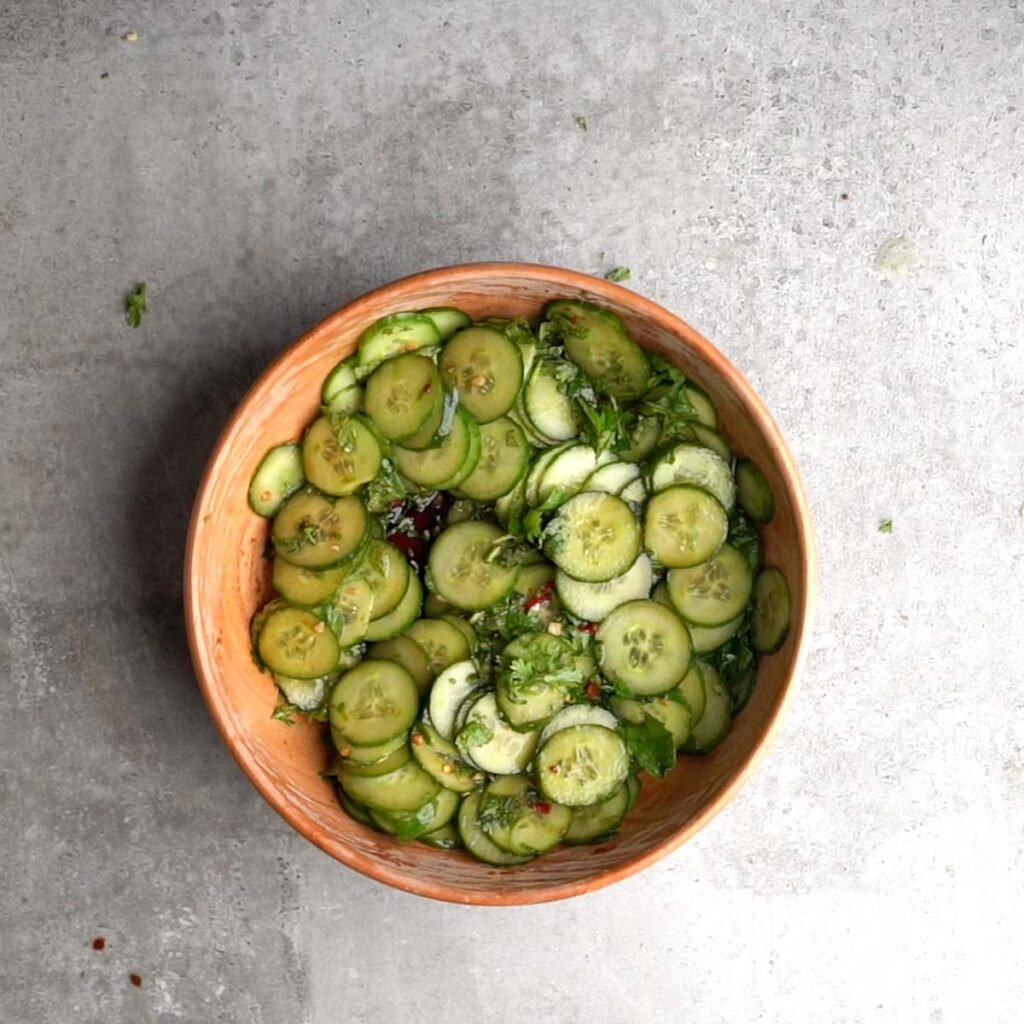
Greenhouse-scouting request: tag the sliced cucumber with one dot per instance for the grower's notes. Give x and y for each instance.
(541, 461)
(684, 526)
(597, 341)
(443, 643)
(566, 474)
(772, 611)
(405, 652)
(440, 759)
(447, 320)
(351, 754)
(513, 816)
(594, 537)
(690, 463)
(464, 566)
(373, 703)
(644, 647)
(384, 765)
(634, 787)
(402, 395)
(578, 714)
(551, 411)
(612, 477)
(476, 841)
(755, 493)
(349, 610)
(710, 638)
(340, 379)
(354, 810)
(340, 454)
(305, 694)
(428, 436)
(278, 476)
(486, 741)
(406, 789)
(317, 532)
(447, 465)
(594, 602)
(296, 643)
(674, 715)
(464, 627)
(387, 571)
(643, 440)
(634, 494)
(536, 676)
(713, 725)
(710, 438)
(504, 456)
(345, 403)
(444, 838)
(393, 335)
(409, 825)
(485, 368)
(702, 405)
(693, 692)
(307, 587)
(582, 765)
(399, 620)
(450, 689)
(714, 592)
(598, 822)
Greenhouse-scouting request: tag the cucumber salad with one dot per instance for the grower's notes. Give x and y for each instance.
(516, 565)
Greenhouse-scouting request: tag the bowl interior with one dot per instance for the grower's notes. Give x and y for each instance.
(227, 580)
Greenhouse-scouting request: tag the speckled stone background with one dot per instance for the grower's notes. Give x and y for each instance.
(831, 190)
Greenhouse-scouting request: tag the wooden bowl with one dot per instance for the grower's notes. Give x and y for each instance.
(227, 580)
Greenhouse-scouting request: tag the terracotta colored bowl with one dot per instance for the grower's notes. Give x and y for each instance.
(227, 579)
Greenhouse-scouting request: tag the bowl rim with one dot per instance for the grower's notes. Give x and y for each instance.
(719, 364)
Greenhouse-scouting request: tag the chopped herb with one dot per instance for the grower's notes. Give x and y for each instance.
(743, 536)
(136, 304)
(650, 744)
(618, 274)
(317, 714)
(306, 535)
(519, 331)
(386, 487)
(885, 526)
(344, 431)
(540, 663)
(284, 713)
(581, 122)
(475, 734)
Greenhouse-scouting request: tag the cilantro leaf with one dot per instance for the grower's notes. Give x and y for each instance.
(386, 487)
(650, 745)
(743, 536)
(581, 122)
(136, 304)
(736, 664)
(885, 526)
(475, 734)
(618, 274)
(284, 713)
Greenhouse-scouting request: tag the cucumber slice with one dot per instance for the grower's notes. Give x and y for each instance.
(597, 341)
(443, 643)
(463, 566)
(317, 532)
(710, 638)
(567, 472)
(612, 477)
(305, 694)
(342, 378)
(406, 789)
(772, 611)
(345, 403)
(743, 535)
(485, 368)
(349, 610)
(402, 395)
(278, 476)
(476, 841)
(447, 465)
(675, 715)
(755, 493)
(408, 825)
(713, 725)
(464, 628)
(487, 742)
(373, 703)
(392, 335)
(447, 320)
(645, 647)
(387, 571)
(594, 537)
(405, 652)
(702, 405)
(504, 455)
(440, 759)
(340, 454)
(354, 810)
(713, 593)
(296, 643)
(427, 435)
(513, 816)
(578, 714)
(634, 787)
(369, 756)
(444, 838)
(634, 494)
(598, 822)
(535, 473)
(399, 620)
(582, 765)
(710, 438)
(693, 692)
(389, 762)
(691, 463)
(307, 587)
(450, 689)
(594, 602)
(643, 439)
(536, 675)
(684, 526)
(552, 412)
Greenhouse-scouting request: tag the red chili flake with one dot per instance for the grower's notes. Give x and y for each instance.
(542, 808)
(397, 503)
(588, 627)
(553, 769)
(544, 594)
(136, 980)
(99, 944)
(594, 690)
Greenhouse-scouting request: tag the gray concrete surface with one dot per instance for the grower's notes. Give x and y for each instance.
(831, 191)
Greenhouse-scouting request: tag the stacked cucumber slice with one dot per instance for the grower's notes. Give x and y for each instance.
(516, 565)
